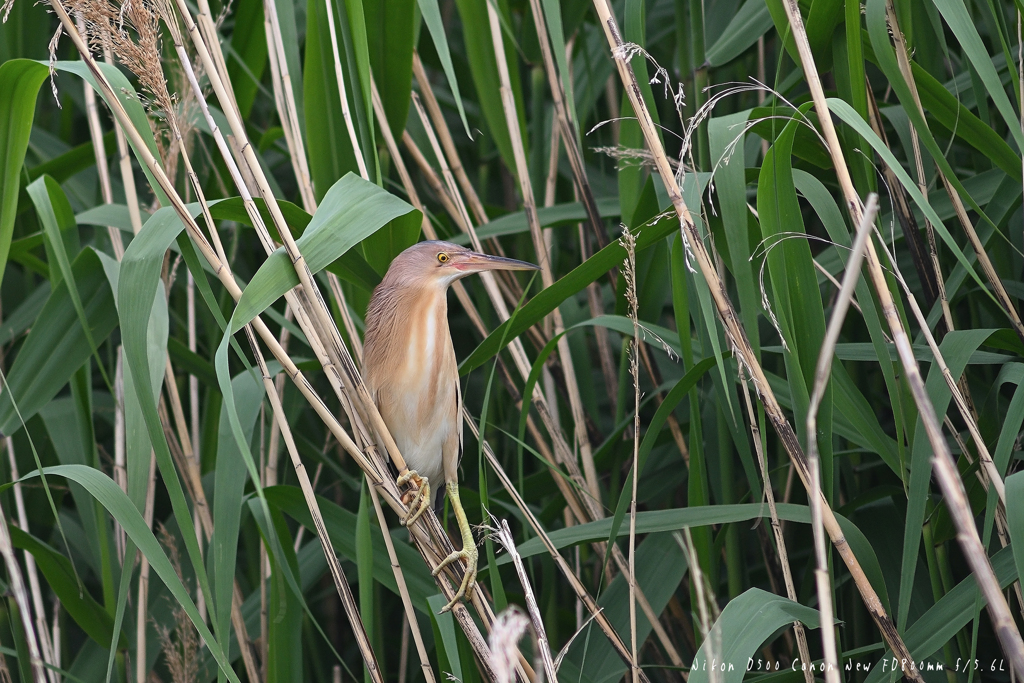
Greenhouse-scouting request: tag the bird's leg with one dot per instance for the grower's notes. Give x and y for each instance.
(420, 500)
(468, 552)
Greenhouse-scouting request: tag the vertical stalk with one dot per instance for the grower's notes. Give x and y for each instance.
(566, 125)
(345, 111)
(284, 96)
(124, 161)
(142, 600)
(120, 473)
(822, 371)
(444, 133)
(102, 171)
(550, 390)
(17, 585)
(193, 406)
(410, 613)
(38, 610)
(628, 242)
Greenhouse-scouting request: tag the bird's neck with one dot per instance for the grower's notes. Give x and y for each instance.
(427, 327)
(407, 338)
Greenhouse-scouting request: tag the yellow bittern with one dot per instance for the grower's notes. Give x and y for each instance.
(411, 373)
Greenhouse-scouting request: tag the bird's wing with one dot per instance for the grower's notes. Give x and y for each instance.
(458, 414)
(452, 451)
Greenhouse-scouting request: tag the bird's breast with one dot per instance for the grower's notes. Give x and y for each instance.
(417, 391)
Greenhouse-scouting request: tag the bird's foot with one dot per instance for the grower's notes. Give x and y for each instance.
(469, 554)
(418, 500)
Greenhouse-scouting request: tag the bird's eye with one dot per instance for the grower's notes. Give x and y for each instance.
(443, 257)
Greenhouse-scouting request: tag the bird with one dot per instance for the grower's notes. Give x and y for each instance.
(412, 376)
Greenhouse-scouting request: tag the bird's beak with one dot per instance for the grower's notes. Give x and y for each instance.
(474, 262)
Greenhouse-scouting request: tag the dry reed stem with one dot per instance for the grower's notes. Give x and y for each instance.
(39, 611)
(931, 275)
(269, 475)
(604, 349)
(274, 443)
(340, 582)
(550, 185)
(120, 472)
(340, 78)
(567, 127)
(831, 278)
(193, 405)
(944, 467)
(707, 609)
(92, 115)
(208, 27)
(142, 599)
(403, 652)
(503, 535)
(734, 330)
(284, 98)
(17, 587)
(409, 614)
(56, 633)
(821, 376)
(446, 140)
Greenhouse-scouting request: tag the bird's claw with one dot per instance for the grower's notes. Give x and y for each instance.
(469, 554)
(420, 500)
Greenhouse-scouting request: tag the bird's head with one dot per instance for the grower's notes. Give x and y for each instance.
(442, 263)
